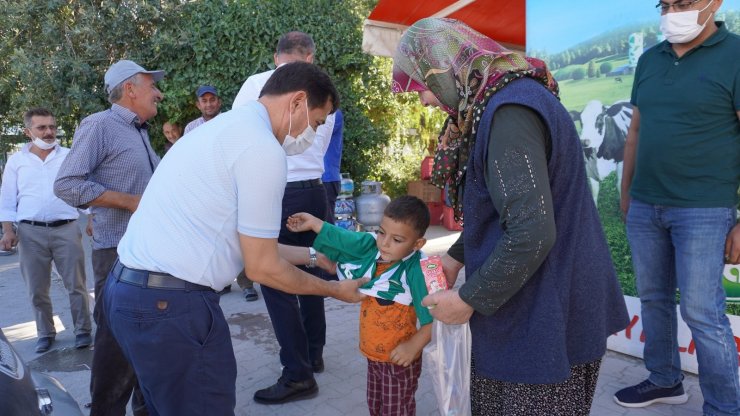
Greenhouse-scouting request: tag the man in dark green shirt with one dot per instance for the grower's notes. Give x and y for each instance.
(679, 194)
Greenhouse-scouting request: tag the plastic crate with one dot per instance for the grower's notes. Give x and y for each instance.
(448, 219)
(435, 213)
(426, 167)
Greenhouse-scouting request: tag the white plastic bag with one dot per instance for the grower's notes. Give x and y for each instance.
(448, 356)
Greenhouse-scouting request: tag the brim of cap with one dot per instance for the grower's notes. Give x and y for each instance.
(157, 75)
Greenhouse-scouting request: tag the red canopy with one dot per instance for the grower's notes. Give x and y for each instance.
(501, 20)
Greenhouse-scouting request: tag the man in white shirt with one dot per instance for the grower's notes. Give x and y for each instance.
(299, 321)
(192, 232)
(47, 228)
(209, 104)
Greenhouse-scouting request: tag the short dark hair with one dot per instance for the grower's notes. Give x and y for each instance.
(302, 76)
(297, 43)
(409, 210)
(39, 111)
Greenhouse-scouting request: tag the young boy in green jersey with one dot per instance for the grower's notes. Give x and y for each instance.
(389, 337)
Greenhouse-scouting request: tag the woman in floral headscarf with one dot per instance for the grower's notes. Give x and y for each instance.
(541, 293)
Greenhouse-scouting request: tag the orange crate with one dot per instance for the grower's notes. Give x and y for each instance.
(424, 191)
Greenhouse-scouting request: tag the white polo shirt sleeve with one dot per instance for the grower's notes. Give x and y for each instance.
(260, 184)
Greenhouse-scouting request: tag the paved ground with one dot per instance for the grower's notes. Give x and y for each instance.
(342, 385)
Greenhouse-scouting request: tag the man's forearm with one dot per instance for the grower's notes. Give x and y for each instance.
(120, 200)
(291, 279)
(294, 254)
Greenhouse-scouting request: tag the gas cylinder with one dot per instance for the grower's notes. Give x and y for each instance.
(371, 204)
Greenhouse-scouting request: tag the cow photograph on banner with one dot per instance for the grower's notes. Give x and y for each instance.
(592, 49)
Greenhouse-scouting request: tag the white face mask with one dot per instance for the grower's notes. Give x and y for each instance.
(295, 145)
(44, 145)
(682, 27)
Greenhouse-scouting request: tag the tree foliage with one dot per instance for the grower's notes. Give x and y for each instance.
(54, 53)
(578, 74)
(591, 69)
(605, 67)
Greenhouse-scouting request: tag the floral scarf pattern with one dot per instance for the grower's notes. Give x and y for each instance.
(463, 69)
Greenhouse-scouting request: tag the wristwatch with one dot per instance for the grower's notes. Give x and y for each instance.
(311, 258)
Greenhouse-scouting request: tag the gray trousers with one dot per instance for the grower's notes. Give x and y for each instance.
(37, 247)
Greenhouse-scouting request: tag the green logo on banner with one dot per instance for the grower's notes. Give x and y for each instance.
(731, 283)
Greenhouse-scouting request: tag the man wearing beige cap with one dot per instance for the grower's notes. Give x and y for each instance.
(107, 169)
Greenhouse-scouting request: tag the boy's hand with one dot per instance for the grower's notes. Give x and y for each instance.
(405, 353)
(410, 350)
(303, 221)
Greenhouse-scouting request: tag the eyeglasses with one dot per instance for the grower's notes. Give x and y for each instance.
(679, 6)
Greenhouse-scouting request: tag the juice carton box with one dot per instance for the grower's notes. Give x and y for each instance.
(434, 276)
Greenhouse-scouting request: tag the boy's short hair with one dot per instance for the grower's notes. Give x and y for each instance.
(410, 210)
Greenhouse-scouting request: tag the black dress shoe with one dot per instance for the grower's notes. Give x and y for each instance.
(317, 365)
(44, 343)
(285, 391)
(83, 341)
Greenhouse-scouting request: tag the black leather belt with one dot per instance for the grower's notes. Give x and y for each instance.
(153, 280)
(304, 184)
(47, 224)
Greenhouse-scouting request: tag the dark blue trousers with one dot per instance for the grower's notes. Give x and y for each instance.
(179, 345)
(112, 378)
(332, 190)
(299, 321)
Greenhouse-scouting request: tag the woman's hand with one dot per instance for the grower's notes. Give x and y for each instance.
(451, 268)
(448, 307)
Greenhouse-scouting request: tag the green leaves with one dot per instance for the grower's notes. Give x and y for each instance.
(54, 53)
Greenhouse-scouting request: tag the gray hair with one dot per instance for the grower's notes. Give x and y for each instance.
(39, 111)
(296, 43)
(116, 93)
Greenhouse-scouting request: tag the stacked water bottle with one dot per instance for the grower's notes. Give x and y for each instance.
(344, 208)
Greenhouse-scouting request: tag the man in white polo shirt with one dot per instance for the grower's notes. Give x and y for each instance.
(299, 321)
(195, 228)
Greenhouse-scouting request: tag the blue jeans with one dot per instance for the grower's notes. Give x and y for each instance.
(179, 345)
(684, 248)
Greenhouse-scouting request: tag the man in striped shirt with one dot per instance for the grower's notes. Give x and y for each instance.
(107, 169)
